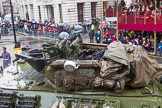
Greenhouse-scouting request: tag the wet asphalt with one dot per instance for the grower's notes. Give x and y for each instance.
(7, 40)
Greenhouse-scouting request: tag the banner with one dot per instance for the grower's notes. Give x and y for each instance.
(145, 27)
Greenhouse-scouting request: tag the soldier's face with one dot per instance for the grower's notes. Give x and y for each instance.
(4, 50)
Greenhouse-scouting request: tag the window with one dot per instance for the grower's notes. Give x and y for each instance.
(60, 11)
(80, 12)
(39, 13)
(93, 9)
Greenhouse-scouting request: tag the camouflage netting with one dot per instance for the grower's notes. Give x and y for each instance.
(125, 61)
(77, 80)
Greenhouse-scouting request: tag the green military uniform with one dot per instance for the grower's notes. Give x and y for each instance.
(73, 49)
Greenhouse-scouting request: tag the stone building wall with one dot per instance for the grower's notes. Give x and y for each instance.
(44, 9)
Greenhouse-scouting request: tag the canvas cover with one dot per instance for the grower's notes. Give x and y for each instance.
(121, 65)
(129, 61)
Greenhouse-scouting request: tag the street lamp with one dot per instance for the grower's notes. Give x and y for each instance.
(101, 32)
(12, 18)
(117, 23)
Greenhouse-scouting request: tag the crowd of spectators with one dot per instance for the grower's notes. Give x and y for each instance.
(140, 7)
(131, 37)
(143, 38)
(36, 28)
(135, 38)
(49, 28)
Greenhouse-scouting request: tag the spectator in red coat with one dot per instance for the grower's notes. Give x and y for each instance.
(107, 33)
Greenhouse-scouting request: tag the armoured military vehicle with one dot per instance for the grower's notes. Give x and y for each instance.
(98, 76)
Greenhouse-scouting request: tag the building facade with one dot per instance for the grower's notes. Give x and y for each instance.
(69, 11)
(6, 9)
(1, 8)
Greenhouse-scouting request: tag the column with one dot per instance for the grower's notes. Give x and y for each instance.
(87, 11)
(22, 12)
(29, 12)
(48, 12)
(99, 9)
(25, 11)
(56, 13)
(1, 8)
(32, 11)
(36, 12)
(43, 13)
(70, 13)
(53, 12)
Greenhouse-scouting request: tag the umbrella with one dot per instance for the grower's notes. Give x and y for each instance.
(52, 25)
(63, 35)
(66, 24)
(78, 27)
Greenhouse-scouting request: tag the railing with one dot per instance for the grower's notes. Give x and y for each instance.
(134, 19)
